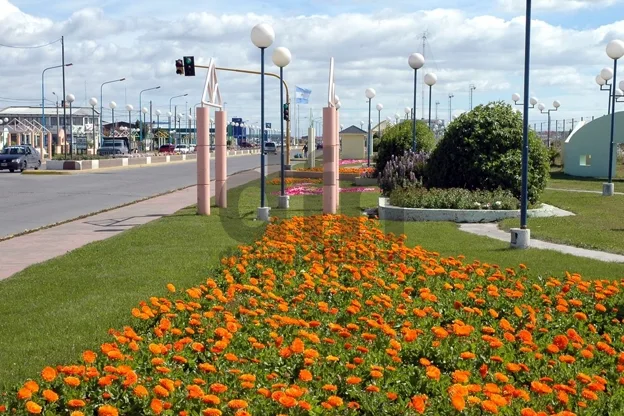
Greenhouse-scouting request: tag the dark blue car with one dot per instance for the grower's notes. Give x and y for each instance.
(19, 158)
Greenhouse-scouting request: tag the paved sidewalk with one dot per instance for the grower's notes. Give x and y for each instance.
(492, 231)
(18, 253)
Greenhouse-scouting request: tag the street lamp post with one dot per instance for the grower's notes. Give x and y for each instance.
(158, 113)
(112, 106)
(397, 117)
(93, 102)
(615, 50)
(70, 99)
(169, 114)
(170, 99)
(262, 36)
(450, 97)
(43, 99)
(102, 100)
(603, 81)
(541, 107)
(379, 107)
(407, 111)
(430, 80)
(416, 61)
(370, 94)
(129, 107)
(140, 106)
(144, 110)
(281, 58)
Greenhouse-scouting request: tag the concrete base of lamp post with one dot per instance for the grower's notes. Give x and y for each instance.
(608, 189)
(283, 202)
(288, 167)
(520, 238)
(264, 214)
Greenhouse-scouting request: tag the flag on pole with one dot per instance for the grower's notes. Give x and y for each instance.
(302, 95)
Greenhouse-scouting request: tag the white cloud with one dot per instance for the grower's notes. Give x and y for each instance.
(370, 50)
(558, 5)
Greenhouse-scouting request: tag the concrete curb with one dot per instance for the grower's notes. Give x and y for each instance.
(392, 213)
(97, 164)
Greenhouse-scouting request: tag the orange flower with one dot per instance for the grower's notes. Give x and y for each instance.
(568, 359)
(72, 381)
(460, 376)
(157, 406)
(305, 375)
(33, 408)
(433, 372)
(458, 402)
(24, 393)
(237, 404)
(212, 412)
(218, 388)
(76, 403)
(418, 403)
(489, 406)
(540, 388)
(141, 391)
(288, 401)
(89, 357)
(50, 396)
(107, 410)
(48, 374)
(335, 401)
(330, 387)
(353, 380)
(467, 356)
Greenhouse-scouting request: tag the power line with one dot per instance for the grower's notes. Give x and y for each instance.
(30, 47)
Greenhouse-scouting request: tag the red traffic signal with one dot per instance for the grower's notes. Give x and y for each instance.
(179, 67)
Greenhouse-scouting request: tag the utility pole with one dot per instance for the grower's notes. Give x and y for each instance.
(472, 88)
(422, 87)
(63, 100)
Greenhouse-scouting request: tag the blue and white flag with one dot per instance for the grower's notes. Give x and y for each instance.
(302, 95)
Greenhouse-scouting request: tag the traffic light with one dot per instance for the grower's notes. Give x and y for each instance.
(189, 66)
(286, 115)
(179, 67)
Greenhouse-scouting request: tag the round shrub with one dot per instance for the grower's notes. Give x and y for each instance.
(482, 149)
(403, 171)
(398, 138)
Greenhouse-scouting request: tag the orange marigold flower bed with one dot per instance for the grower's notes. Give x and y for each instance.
(329, 315)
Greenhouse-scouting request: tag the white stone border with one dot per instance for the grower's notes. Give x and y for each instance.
(389, 212)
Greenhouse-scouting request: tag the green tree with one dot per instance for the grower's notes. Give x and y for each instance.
(398, 138)
(482, 149)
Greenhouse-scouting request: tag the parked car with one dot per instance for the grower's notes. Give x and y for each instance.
(167, 148)
(270, 147)
(246, 144)
(182, 148)
(19, 158)
(192, 148)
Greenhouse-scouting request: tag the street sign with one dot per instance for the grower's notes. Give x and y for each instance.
(268, 125)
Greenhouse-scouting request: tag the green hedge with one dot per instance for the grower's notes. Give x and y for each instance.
(452, 198)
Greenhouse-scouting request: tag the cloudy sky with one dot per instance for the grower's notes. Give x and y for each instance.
(468, 42)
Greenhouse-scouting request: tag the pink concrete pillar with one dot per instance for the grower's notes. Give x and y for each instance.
(49, 145)
(221, 158)
(329, 160)
(337, 144)
(203, 160)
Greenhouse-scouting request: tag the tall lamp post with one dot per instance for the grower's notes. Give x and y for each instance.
(370, 94)
(281, 58)
(93, 102)
(144, 110)
(430, 80)
(450, 97)
(408, 111)
(158, 113)
(379, 107)
(70, 99)
(169, 114)
(112, 106)
(603, 81)
(262, 36)
(43, 99)
(416, 61)
(541, 107)
(129, 108)
(102, 100)
(615, 50)
(170, 99)
(397, 117)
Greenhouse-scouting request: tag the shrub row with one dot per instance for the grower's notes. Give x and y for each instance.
(452, 198)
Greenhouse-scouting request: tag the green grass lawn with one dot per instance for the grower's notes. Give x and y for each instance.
(598, 223)
(559, 180)
(53, 311)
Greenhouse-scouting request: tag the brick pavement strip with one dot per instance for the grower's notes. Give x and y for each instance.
(21, 252)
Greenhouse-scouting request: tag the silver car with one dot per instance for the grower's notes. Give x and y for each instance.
(19, 158)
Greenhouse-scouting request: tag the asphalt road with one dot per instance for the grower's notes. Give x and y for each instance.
(33, 201)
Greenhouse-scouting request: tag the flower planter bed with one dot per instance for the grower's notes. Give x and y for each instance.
(393, 213)
(317, 175)
(303, 189)
(329, 315)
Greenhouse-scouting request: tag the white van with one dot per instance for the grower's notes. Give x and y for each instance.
(270, 147)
